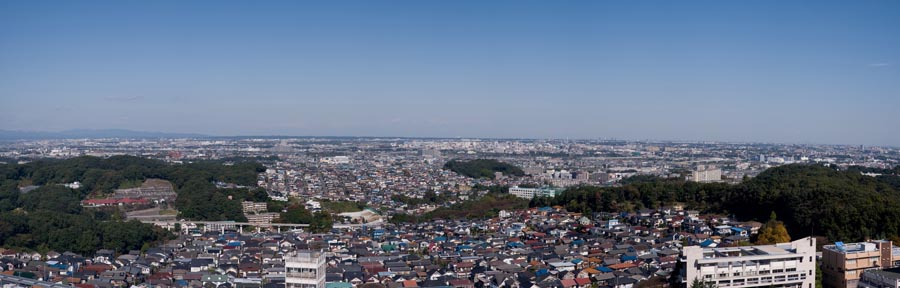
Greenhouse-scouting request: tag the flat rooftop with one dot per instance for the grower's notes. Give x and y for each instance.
(851, 247)
(745, 251)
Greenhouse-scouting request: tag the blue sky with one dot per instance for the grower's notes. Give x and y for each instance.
(767, 71)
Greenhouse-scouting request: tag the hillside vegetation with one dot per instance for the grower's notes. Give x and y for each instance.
(487, 206)
(51, 217)
(809, 199)
(482, 168)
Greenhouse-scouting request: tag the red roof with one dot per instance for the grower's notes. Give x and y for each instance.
(410, 283)
(96, 268)
(460, 282)
(622, 266)
(568, 282)
(583, 281)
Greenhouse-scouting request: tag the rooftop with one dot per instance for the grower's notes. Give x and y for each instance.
(841, 247)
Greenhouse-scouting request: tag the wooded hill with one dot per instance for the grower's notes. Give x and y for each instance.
(810, 199)
(482, 168)
(51, 217)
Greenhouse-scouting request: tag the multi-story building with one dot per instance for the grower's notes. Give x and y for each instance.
(887, 278)
(261, 219)
(529, 193)
(253, 207)
(304, 269)
(706, 174)
(843, 264)
(790, 264)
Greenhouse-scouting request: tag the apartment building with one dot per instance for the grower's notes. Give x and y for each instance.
(304, 269)
(706, 174)
(253, 207)
(843, 264)
(529, 193)
(790, 264)
(262, 219)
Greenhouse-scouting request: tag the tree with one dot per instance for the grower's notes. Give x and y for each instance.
(773, 232)
(697, 283)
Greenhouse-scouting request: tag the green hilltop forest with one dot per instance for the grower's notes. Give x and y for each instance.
(482, 168)
(51, 217)
(484, 207)
(809, 199)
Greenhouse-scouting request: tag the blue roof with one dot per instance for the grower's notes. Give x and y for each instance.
(706, 243)
(603, 269)
(576, 261)
(514, 244)
(463, 247)
(545, 208)
(541, 272)
(736, 229)
(628, 258)
(338, 285)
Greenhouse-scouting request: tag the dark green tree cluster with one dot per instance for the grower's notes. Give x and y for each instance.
(430, 197)
(343, 206)
(841, 205)
(50, 218)
(319, 222)
(482, 168)
(484, 207)
(198, 197)
(45, 217)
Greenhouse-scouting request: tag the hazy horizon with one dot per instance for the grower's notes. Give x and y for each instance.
(767, 71)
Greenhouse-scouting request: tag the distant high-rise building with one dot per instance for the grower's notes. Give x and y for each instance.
(706, 174)
(304, 269)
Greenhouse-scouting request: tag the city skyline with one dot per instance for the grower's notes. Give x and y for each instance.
(134, 134)
(732, 72)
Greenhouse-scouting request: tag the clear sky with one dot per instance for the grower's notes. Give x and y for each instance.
(767, 71)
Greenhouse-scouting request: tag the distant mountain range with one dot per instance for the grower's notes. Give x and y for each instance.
(91, 133)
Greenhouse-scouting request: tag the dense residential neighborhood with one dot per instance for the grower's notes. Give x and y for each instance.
(400, 220)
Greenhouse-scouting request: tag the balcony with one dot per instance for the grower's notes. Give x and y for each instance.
(308, 275)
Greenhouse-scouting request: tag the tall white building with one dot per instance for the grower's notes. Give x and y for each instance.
(790, 264)
(706, 174)
(304, 269)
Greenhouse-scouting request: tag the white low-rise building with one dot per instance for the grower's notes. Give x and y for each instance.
(529, 193)
(790, 264)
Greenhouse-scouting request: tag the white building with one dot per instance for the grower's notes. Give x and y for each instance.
(336, 160)
(706, 174)
(782, 265)
(304, 269)
(529, 193)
